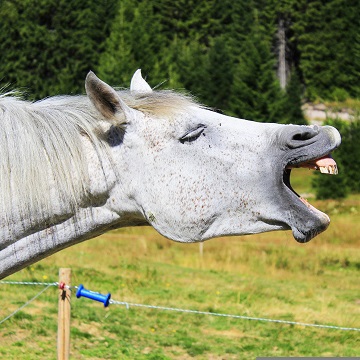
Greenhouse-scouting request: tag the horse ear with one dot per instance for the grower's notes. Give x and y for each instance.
(138, 84)
(106, 99)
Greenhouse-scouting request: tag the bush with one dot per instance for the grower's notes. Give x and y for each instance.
(339, 95)
(348, 160)
(330, 187)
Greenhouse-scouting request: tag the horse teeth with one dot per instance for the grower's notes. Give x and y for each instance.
(331, 169)
(324, 169)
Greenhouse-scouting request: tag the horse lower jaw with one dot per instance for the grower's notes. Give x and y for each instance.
(320, 222)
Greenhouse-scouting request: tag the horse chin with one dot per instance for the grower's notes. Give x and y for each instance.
(319, 220)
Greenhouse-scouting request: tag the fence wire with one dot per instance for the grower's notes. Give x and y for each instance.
(243, 317)
(128, 305)
(27, 303)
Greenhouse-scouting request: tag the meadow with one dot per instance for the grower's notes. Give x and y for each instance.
(267, 275)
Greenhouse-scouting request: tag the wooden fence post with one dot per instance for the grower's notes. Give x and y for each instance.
(201, 249)
(63, 337)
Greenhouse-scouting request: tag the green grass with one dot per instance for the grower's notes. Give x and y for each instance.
(267, 275)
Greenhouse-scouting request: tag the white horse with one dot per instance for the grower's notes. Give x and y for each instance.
(74, 167)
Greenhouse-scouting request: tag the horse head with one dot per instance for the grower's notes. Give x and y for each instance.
(194, 174)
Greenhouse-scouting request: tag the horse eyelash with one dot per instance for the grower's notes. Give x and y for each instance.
(187, 138)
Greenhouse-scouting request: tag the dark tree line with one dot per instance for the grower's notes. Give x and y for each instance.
(217, 49)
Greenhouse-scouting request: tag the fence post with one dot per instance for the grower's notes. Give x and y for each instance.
(63, 337)
(201, 249)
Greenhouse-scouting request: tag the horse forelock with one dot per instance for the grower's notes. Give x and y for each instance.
(159, 103)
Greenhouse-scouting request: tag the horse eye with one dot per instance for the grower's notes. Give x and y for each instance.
(192, 135)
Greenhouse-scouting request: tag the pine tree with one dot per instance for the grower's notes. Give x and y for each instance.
(292, 103)
(239, 25)
(325, 32)
(217, 87)
(256, 93)
(48, 46)
(355, 71)
(191, 66)
(135, 41)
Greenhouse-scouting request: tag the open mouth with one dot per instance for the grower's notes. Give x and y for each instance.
(325, 164)
(319, 220)
(310, 148)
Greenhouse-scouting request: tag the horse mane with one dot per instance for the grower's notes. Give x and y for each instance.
(42, 160)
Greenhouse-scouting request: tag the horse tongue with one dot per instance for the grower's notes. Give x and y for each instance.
(327, 165)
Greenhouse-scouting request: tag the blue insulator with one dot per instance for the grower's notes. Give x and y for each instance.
(81, 291)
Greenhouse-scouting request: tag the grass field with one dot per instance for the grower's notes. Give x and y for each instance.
(267, 275)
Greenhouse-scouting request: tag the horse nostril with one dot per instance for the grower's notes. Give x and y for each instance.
(302, 135)
(297, 137)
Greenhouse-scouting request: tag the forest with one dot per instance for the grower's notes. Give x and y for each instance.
(255, 59)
